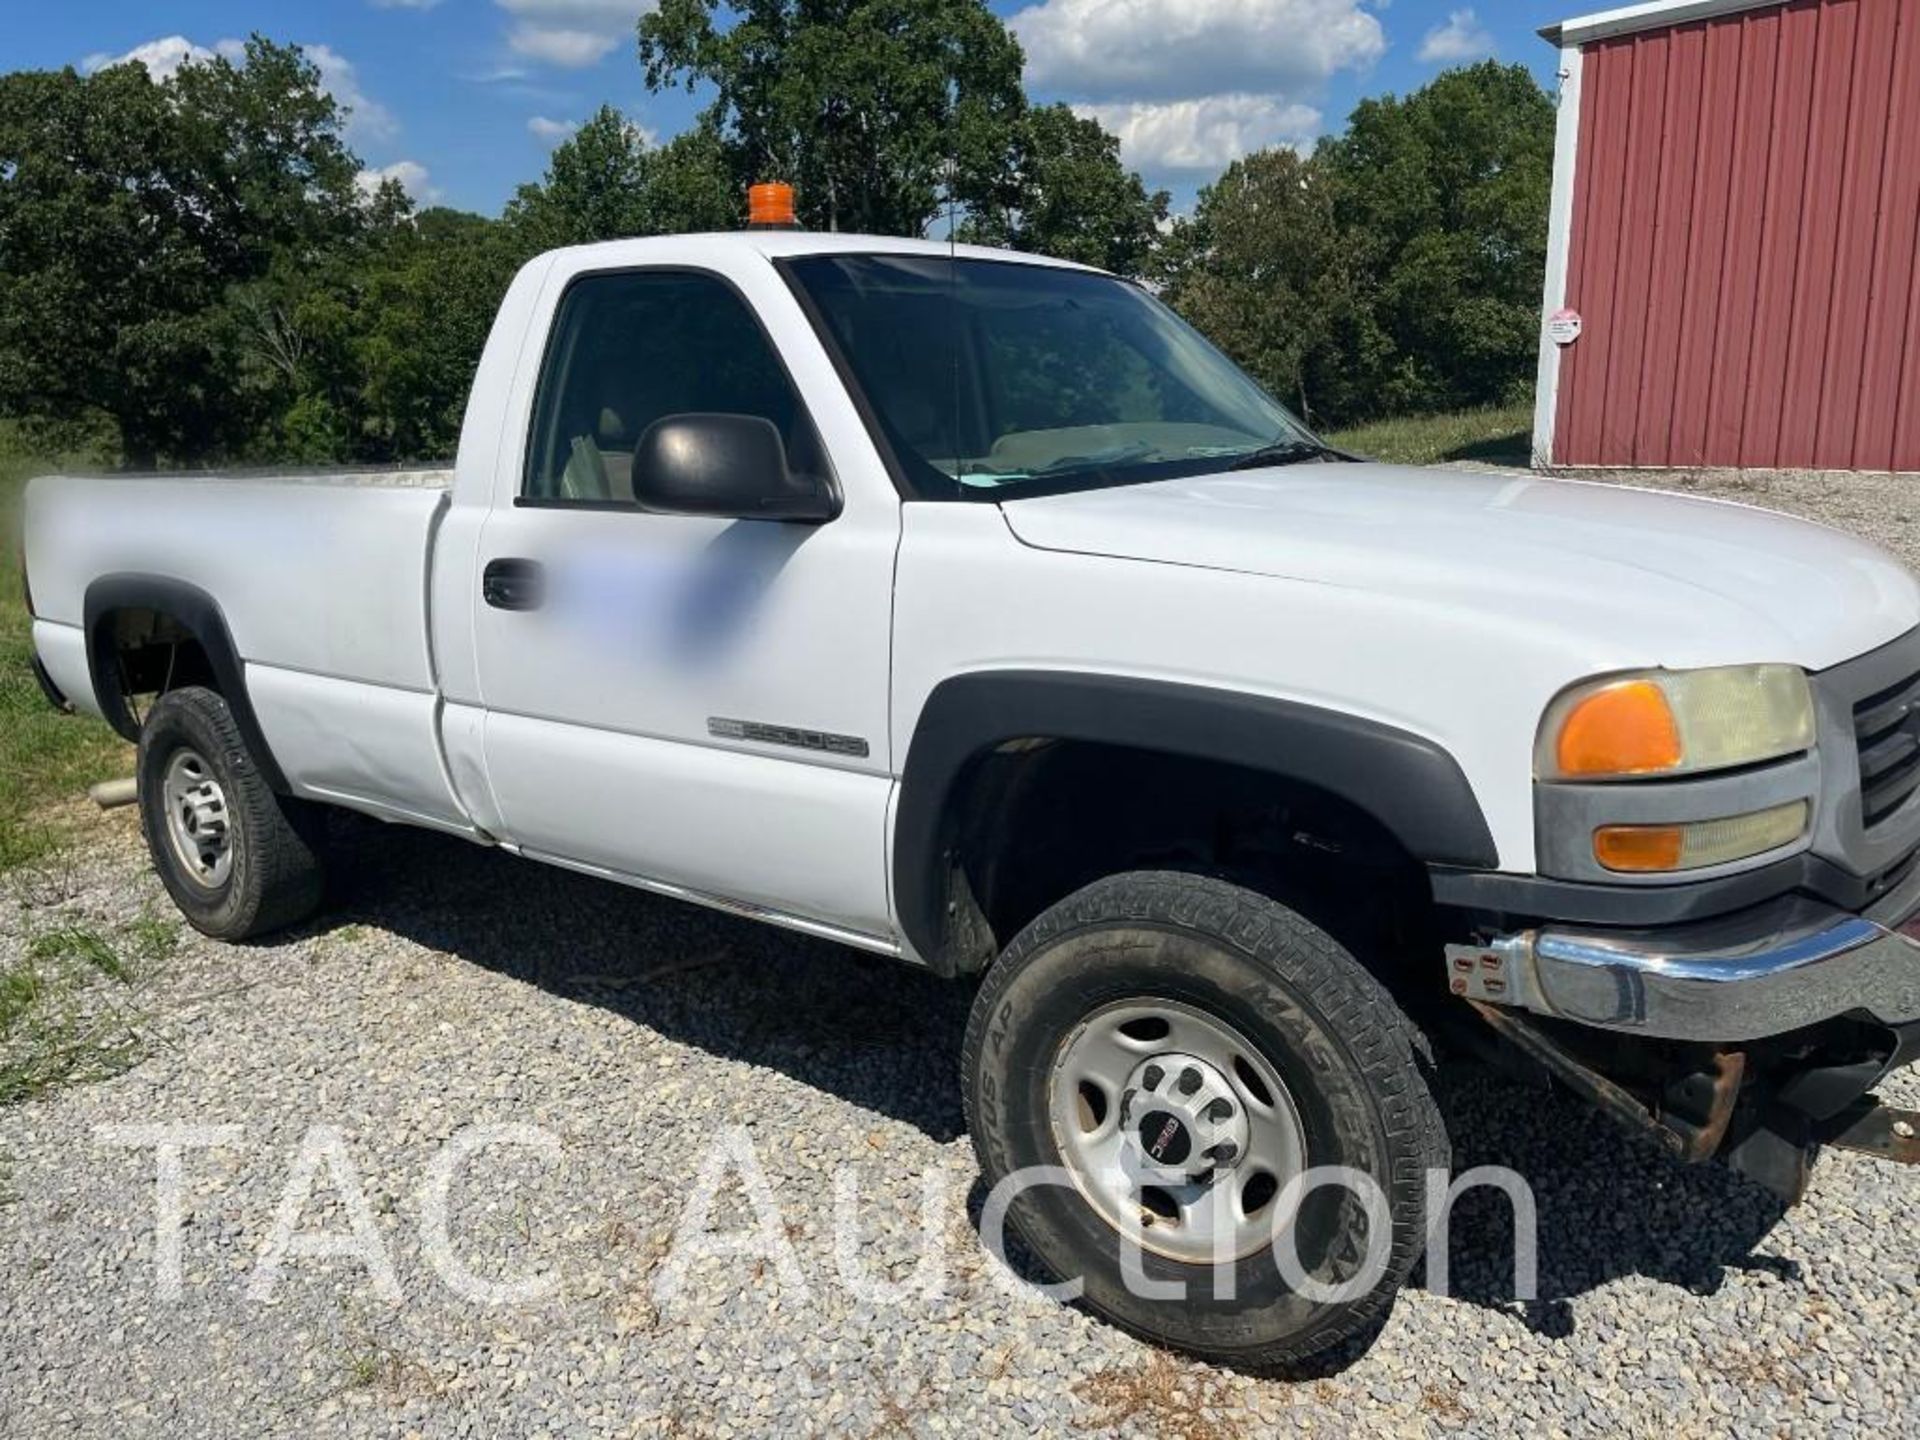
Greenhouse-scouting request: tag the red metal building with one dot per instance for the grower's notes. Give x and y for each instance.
(1732, 274)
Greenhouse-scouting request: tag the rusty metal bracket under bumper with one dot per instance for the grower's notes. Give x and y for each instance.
(1778, 967)
(1881, 1131)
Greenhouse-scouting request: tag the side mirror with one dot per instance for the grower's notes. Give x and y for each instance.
(726, 465)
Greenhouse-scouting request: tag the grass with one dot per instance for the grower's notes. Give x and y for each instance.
(372, 1364)
(1502, 435)
(1175, 1399)
(66, 1008)
(47, 759)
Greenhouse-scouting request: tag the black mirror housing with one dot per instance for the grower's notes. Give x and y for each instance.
(733, 466)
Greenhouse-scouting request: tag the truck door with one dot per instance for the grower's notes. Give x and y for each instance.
(694, 703)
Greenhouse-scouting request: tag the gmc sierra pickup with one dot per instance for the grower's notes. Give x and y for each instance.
(969, 607)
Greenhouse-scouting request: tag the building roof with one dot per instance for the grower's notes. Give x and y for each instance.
(1655, 15)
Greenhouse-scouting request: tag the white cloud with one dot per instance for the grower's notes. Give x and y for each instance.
(1136, 50)
(163, 58)
(572, 34)
(552, 131)
(569, 49)
(411, 174)
(593, 14)
(1463, 37)
(367, 118)
(1204, 134)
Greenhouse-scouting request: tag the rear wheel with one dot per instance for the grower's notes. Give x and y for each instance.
(1192, 1058)
(237, 859)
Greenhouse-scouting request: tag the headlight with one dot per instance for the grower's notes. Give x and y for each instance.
(1675, 722)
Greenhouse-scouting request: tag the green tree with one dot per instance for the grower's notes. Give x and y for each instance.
(606, 182)
(1260, 269)
(1066, 194)
(128, 211)
(1441, 201)
(431, 294)
(878, 111)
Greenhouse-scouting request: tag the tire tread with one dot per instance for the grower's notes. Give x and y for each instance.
(281, 882)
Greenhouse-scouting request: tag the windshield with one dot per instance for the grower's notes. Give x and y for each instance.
(991, 379)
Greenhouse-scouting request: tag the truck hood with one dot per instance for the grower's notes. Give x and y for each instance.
(1667, 579)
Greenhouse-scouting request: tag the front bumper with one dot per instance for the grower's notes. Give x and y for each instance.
(1775, 968)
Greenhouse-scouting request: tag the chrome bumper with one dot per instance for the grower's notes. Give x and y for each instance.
(1779, 967)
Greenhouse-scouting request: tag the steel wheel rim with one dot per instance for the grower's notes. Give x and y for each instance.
(199, 824)
(1237, 1209)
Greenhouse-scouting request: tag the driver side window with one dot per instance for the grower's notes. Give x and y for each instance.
(630, 348)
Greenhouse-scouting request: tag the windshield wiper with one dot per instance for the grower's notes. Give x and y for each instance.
(1291, 451)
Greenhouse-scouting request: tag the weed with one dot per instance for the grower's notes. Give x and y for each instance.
(57, 1026)
(20, 991)
(1163, 1396)
(151, 938)
(1444, 1403)
(897, 1415)
(77, 945)
(60, 1050)
(373, 1365)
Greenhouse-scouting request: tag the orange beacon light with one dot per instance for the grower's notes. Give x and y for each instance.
(770, 207)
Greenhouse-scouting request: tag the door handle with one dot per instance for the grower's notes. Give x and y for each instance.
(509, 584)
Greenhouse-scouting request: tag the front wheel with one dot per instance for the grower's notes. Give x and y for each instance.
(1208, 1113)
(237, 859)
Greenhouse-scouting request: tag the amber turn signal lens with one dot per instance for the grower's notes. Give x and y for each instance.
(1624, 729)
(1639, 848)
(1647, 849)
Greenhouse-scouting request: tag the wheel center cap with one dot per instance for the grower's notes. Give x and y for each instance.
(1165, 1140)
(1182, 1119)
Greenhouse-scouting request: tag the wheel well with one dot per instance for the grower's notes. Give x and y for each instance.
(144, 651)
(1035, 819)
(149, 634)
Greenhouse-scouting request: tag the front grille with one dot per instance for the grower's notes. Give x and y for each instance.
(1887, 727)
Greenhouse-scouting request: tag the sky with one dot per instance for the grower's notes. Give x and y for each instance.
(461, 100)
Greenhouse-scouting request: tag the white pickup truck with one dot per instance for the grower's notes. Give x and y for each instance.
(969, 607)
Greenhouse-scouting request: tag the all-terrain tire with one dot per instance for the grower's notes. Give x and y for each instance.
(274, 876)
(1339, 1043)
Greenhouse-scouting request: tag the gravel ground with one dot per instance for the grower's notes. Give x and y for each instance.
(450, 987)
(1884, 508)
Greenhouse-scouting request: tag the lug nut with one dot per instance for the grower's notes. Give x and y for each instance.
(1220, 1109)
(1189, 1080)
(1151, 1077)
(1225, 1152)
(1126, 1106)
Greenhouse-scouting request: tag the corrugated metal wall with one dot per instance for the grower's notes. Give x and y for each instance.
(1743, 247)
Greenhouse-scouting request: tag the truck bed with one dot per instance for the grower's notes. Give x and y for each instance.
(321, 577)
(398, 477)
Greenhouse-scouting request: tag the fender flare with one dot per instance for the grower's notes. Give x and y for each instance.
(196, 612)
(1408, 783)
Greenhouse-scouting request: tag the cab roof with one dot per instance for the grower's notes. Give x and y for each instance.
(782, 244)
